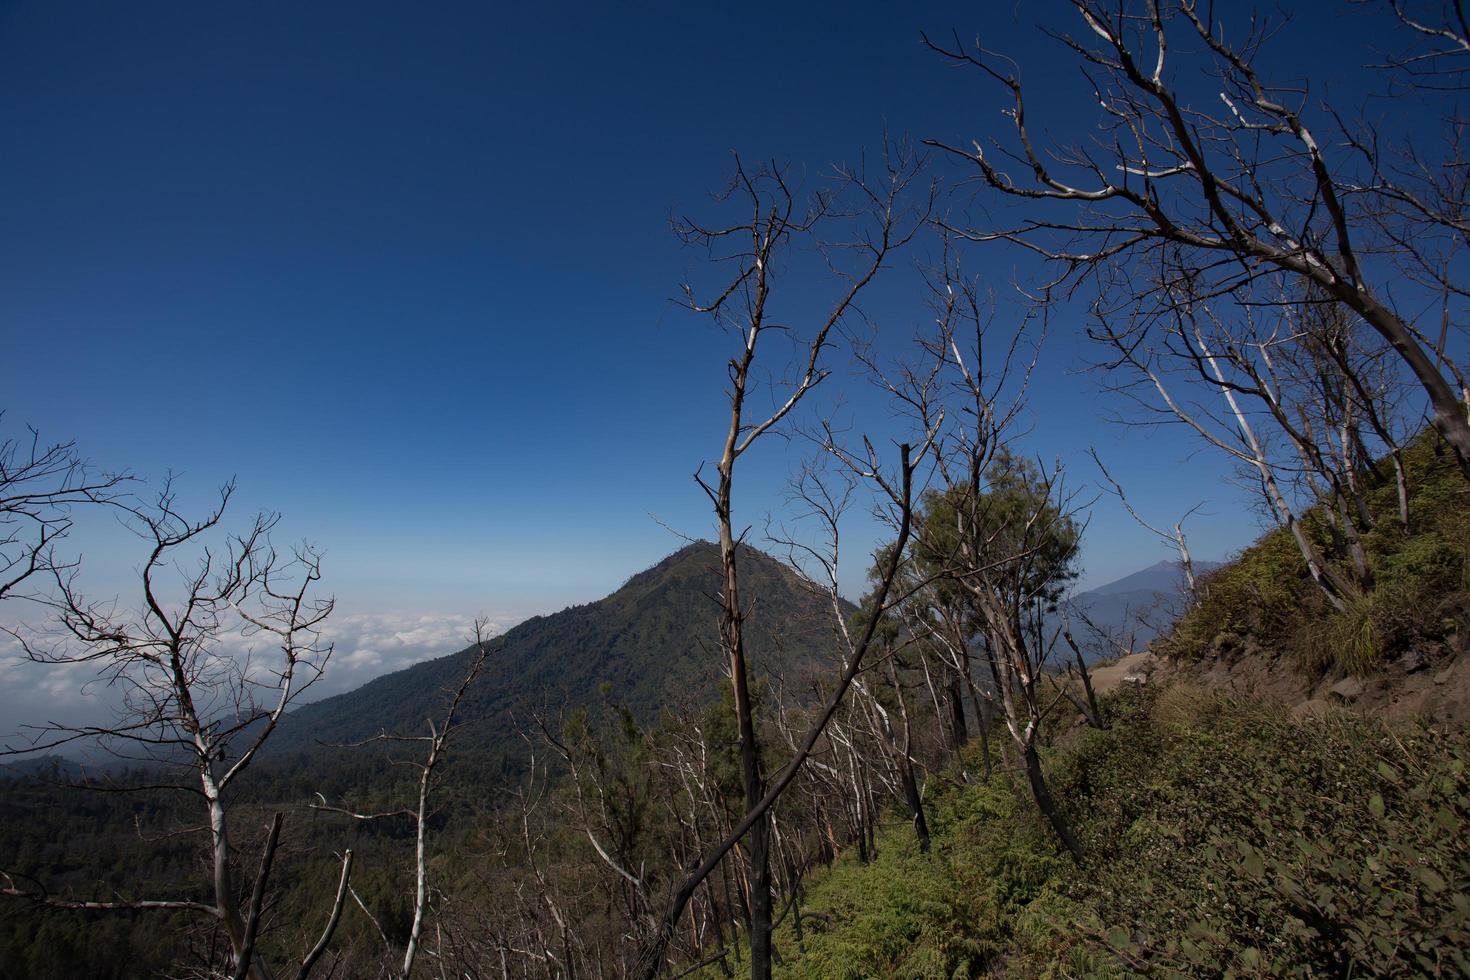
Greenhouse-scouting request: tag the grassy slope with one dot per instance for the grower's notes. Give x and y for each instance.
(1264, 600)
(1222, 837)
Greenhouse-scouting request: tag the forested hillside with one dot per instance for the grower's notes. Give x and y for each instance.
(650, 646)
(1218, 832)
(647, 651)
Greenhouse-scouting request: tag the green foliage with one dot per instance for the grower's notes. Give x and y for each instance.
(1249, 843)
(1013, 526)
(946, 913)
(1264, 599)
(74, 944)
(613, 769)
(1261, 594)
(1223, 839)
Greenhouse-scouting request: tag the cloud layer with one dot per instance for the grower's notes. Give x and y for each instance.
(369, 644)
(366, 644)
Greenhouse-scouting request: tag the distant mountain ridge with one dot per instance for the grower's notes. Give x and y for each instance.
(650, 645)
(1143, 603)
(45, 766)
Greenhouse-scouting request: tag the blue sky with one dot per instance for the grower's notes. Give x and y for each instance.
(404, 270)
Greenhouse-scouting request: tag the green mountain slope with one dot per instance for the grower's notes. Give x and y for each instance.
(650, 645)
(1224, 838)
(1223, 834)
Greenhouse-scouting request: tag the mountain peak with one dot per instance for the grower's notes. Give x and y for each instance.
(651, 645)
(1163, 576)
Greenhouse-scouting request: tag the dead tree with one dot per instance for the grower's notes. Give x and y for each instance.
(824, 501)
(1240, 181)
(899, 486)
(939, 617)
(612, 788)
(776, 223)
(1174, 536)
(39, 487)
(901, 748)
(1235, 431)
(1086, 703)
(524, 919)
(199, 698)
(435, 745)
(995, 536)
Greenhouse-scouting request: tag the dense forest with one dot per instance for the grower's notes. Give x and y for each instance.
(725, 766)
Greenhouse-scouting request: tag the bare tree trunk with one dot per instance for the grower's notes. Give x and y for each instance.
(1401, 483)
(982, 716)
(758, 881)
(224, 888)
(1447, 412)
(915, 804)
(1041, 793)
(959, 731)
(903, 753)
(734, 899)
(1014, 677)
(1089, 708)
(714, 910)
(421, 867)
(985, 747)
(1255, 457)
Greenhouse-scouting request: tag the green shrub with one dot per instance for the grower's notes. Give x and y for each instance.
(1222, 839)
(1244, 843)
(1263, 593)
(1265, 599)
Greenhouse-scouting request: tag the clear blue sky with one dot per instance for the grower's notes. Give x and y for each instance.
(405, 269)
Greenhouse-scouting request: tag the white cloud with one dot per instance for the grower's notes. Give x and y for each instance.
(366, 644)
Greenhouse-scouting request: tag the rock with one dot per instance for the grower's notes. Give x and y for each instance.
(1349, 689)
(1137, 680)
(1443, 677)
(1414, 661)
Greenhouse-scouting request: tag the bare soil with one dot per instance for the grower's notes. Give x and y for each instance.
(1428, 689)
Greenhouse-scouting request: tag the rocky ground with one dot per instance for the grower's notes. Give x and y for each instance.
(1417, 686)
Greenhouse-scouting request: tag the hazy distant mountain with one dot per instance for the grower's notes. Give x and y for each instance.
(652, 644)
(1143, 603)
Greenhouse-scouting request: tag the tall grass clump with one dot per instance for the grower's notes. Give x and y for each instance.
(1418, 597)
